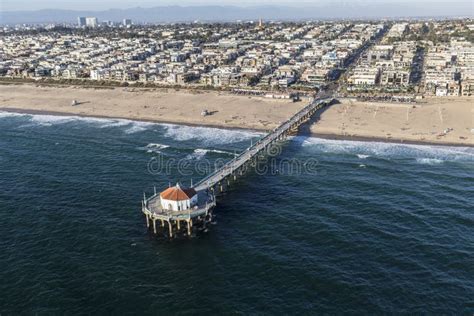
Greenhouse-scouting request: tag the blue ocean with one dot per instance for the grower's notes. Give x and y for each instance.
(363, 228)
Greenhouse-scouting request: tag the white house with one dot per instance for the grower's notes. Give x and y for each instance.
(178, 199)
(442, 91)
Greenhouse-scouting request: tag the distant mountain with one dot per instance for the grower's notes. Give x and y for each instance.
(337, 10)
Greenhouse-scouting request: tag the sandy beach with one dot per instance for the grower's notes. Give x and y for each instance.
(169, 106)
(432, 120)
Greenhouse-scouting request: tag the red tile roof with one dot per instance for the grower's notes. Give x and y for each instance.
(177, 194)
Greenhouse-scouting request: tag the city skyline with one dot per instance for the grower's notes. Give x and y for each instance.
(28, 5)
(225, 12)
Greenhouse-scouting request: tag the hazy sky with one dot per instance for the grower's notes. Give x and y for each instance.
(12, 5)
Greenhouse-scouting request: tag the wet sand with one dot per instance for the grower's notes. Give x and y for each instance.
(167, 106)
(447, 121)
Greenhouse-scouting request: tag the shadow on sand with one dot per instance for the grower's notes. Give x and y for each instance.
(304, 132)
(83, 102)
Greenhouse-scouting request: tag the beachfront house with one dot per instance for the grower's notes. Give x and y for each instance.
(396, 77)
(364, 76)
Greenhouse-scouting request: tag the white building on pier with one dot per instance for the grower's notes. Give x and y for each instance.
(178, 199)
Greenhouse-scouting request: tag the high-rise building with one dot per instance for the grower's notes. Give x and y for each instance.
(81, 21)
(92, 22)
(127, 22)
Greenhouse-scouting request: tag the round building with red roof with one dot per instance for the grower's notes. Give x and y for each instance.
(178, 199)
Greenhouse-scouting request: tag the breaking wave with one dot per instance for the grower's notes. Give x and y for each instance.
(220, 152)
(208, 135)
(427, 154)
(154, 148)
(50, 120)
(9, 114)
(197, 154)
(429, 161)
(136, 127)
(46, 120)
(201, 152)
(111, 123)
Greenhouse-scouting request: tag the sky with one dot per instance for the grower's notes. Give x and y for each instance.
(96, 5)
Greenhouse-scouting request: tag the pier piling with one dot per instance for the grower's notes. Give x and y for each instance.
(220, 179)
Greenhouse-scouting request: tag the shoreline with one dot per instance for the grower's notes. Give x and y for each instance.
(66, 114)
(435, 121)
(388, 140)
(327, 136)
(245, 112)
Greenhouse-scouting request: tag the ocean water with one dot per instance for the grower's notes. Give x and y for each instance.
(351, 227)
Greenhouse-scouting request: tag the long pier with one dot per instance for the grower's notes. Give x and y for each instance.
(231, 168)
(219, 180)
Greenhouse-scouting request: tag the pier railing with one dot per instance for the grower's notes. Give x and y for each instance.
(232, 165)
(174, 220)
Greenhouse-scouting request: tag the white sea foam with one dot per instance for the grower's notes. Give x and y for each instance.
(50, 120)
(158, 146)
(154, 148)
(197, 154)
(201, 152)
(429, 161)
(207, 135)
(129, 126)
(136, 127)
(106, 123)
(10, 114)
(46, 120)
(220, 152)
(364, 149)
